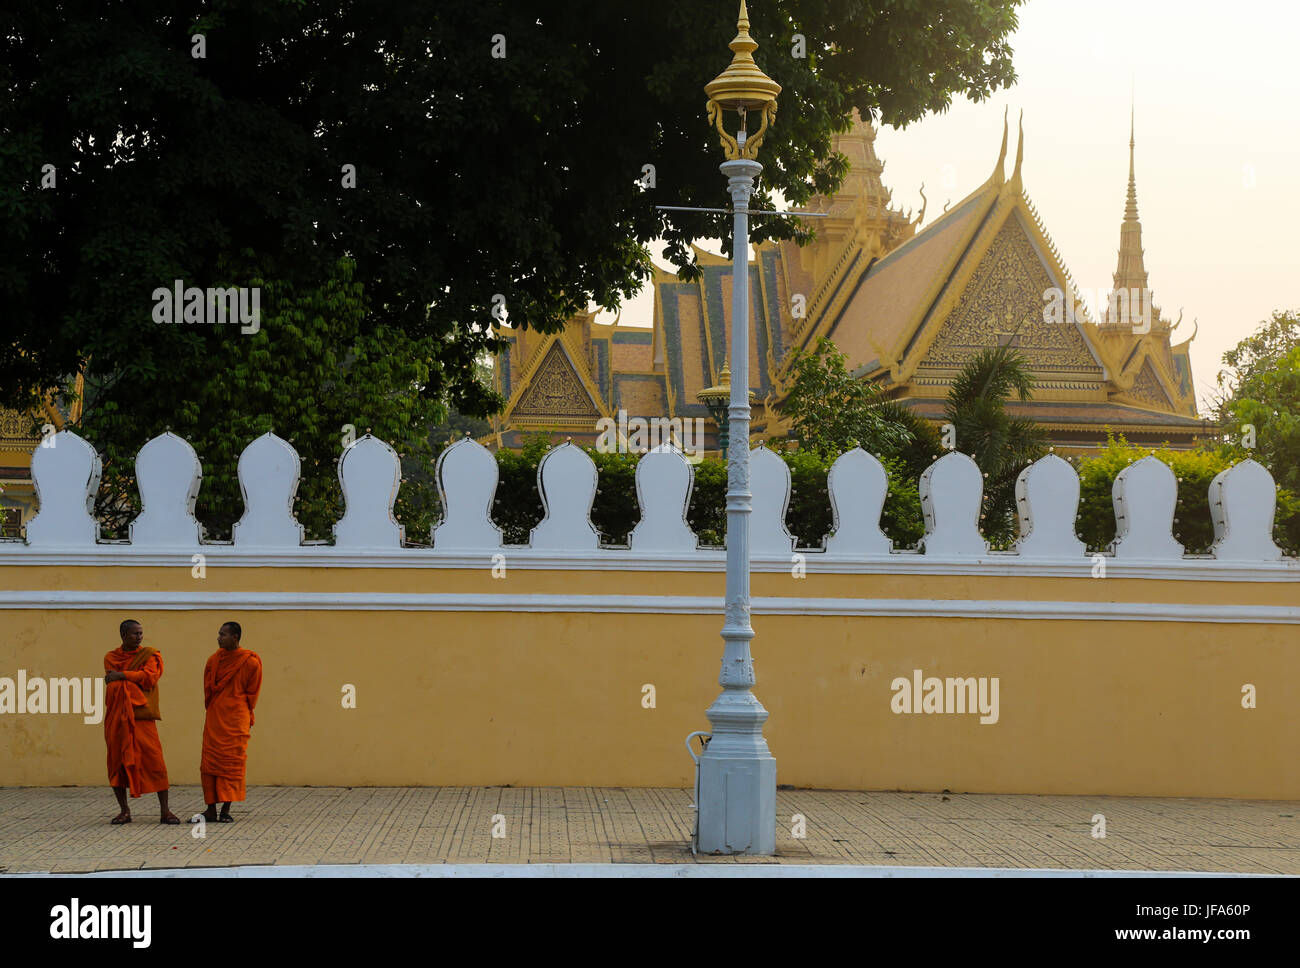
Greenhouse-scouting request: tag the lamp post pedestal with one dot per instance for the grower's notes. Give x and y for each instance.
(737, 795)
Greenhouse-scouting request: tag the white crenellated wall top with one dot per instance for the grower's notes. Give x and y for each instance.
(66, 475)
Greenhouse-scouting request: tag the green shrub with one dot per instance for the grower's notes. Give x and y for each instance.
(1194, 470)
(616, 511)
(1286, 522)
(902, 519)
(518, 507)
(809, 516)
(707, 514)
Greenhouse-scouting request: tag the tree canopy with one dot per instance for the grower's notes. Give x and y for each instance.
(309, 375)
(1259, 405)
(451, 151)
(830, 411)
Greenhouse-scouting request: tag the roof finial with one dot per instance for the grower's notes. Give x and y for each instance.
(1020, 147)
(999, 173)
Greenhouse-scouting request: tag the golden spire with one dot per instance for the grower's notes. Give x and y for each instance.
(742, 87)
(1130, 270)
(1130, 304)
(1131, 208)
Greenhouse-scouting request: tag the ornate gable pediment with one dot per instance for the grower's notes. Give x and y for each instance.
(1148, 390)
(1005, 296)
(16, 430)
(555, 389)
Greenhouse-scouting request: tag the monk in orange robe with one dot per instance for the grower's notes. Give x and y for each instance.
(232, 680)
(135, 757)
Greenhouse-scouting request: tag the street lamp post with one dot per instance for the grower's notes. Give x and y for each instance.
(737, 773)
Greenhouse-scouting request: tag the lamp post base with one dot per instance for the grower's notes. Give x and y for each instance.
(737, 806)
(737, 794)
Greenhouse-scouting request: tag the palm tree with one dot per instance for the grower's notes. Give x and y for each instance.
(1002, 445)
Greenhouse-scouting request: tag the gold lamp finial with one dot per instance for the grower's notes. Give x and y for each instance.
(720, 393)
(742, 87)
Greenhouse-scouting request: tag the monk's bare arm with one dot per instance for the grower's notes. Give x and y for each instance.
(253, 686)
(207, 690)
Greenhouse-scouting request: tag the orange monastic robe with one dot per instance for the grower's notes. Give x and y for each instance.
(135, 757)
(231, 681)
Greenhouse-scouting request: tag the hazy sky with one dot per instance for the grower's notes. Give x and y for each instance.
(1218, 152)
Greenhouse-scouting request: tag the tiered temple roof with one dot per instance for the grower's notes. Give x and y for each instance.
(907, 308)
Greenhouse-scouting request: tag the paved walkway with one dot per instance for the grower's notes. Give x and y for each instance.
(67, 830)
(692, 871)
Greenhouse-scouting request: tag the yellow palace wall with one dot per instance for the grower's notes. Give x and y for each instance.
(483, 695)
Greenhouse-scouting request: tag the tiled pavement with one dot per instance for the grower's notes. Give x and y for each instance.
(67, 829)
